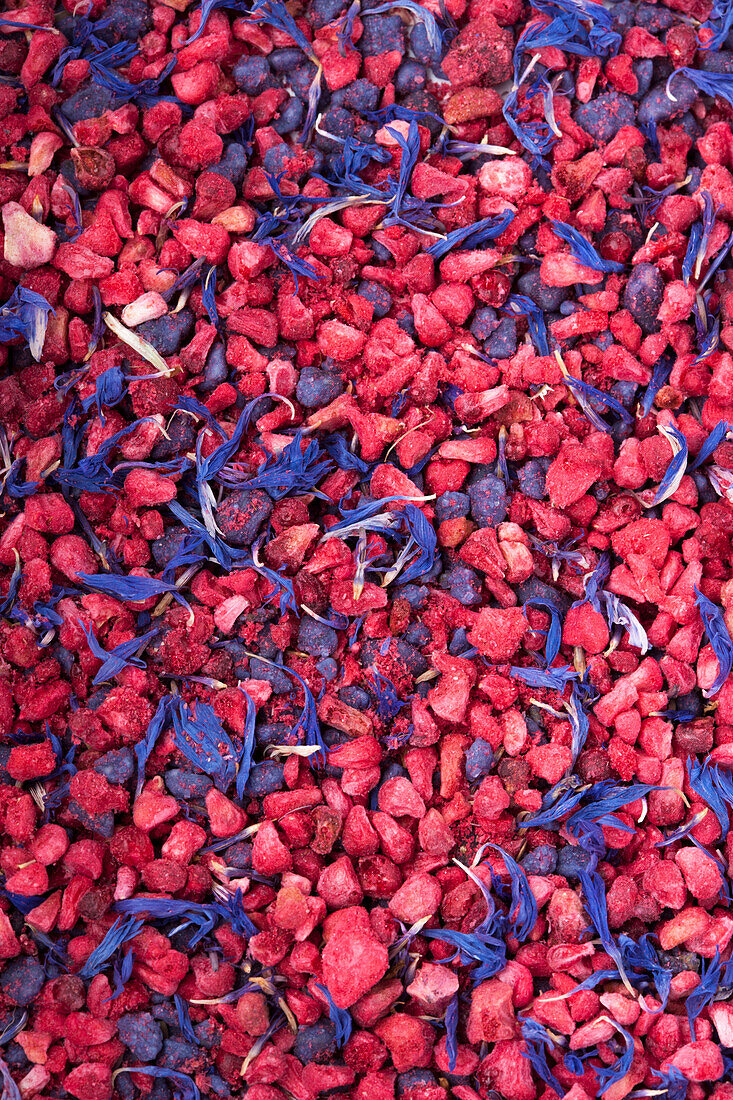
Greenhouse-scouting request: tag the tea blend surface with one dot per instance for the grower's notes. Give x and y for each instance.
(366, 485)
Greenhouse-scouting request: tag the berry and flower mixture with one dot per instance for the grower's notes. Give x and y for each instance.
(366, 567)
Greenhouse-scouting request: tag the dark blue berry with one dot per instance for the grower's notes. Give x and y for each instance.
(417, 635)
(502, 343)
(643, 71)
(317, 388)
(328, 668)
(489, 505)
(316, 639)
(381, 34)
(415, 1079)
(167, 334)
(326, 11)
(282, 61)
(116, 766)
(452, 505)
(187, 785)
(416, 595)
(653, 19)
(22, 980)
(141, 1034)
(571, 861)
(273, 733)
(356, 697)
(233, 164)
(252, 74)
(216, 370)
(290, 118)
(643, 296)
(316, 1043)
(546, 297)
(360, 96)
(604, 116)
(125, 20)
(239, 855)
(531, 478)
(656, 106)
(484, 323)
(176, 1052)
(541, 861)
(463, 583)
(410, 77)
(379, 296)
(479, 758)
(102, 824)
(421, 46)
(459, 642)
(242, 514)
(265, 778)
(279, 681)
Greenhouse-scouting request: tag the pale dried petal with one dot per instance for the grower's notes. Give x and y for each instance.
(28, 244)
(142, 347)
(148, 307)
(43, 149)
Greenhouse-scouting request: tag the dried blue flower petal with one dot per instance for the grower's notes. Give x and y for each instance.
(133, 589)
(720, 22)
(293, 470)
(523, 306)
(617, 613)
(594, 892)
(344, 458)
(713, 441)
(122, 656)
(419, 551)
(472, 236)
(588, 396)
(389, 703)
(715, 786)
(121, 975)
(523, 910)
(582, 250)
(120, 933)
(536, 1038)
(644, 966)
(231, 910)
(184, 1019)
(585, 825)
(204, 918)
(338, 1016)
(202, 739)
(12, 593)
(719, 638)
(10, 1089)
(712, 84)
(673, 1083)
(613, 1074)
(208, 289)
(488, 951)
(244, 765)
(451, 1030)
(25, 314)
(554, 634)
(704, 993)
(207, 6)
(674, 473)
(346, 26)
(660, 377)
(143, 748)
(187, 1089)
